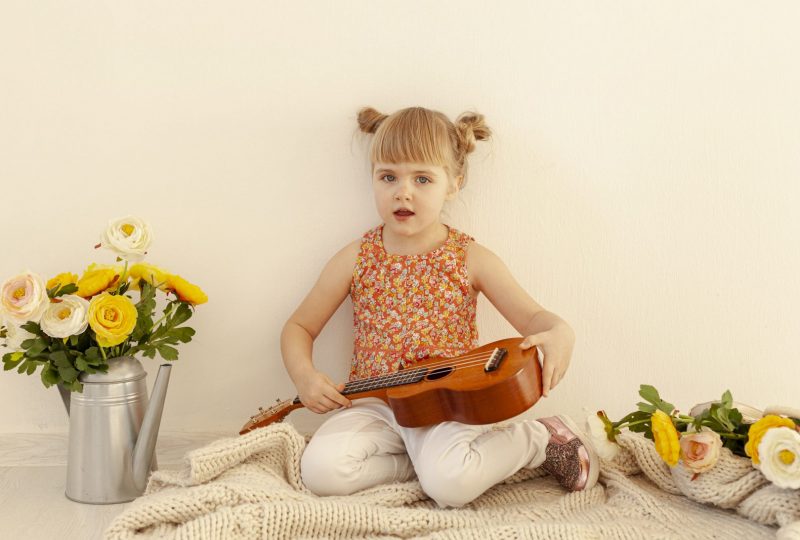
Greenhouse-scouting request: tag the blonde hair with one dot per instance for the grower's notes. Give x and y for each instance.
(419, 135)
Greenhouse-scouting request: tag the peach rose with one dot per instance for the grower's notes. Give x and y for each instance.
(700, 450)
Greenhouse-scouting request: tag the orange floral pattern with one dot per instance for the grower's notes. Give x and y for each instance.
(410, 307)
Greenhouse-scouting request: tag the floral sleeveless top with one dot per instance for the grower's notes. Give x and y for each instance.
(410, 307)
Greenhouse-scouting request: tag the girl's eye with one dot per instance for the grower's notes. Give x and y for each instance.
(423, 180)
(387, 178)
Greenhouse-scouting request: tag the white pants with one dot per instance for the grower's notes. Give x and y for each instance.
(363, 446)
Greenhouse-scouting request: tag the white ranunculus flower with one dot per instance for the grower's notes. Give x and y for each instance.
(128, 237)
(66, 318)
(15, 336)
(23, 298)
(597, 430)
(779, 452)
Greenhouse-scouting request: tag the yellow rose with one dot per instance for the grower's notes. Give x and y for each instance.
(186, 291)
(666, 437)
(97, 279)
(152, 274)
(112, 317)
(759, 429)
(60, 280)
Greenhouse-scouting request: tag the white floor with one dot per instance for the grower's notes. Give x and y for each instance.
(32, 480)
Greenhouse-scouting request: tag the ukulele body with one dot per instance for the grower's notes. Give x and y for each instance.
(469, 394)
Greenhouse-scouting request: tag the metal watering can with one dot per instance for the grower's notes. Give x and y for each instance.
(113, 432)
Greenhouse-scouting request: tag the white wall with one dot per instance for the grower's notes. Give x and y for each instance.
(643, 181)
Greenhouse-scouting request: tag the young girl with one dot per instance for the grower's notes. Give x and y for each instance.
(414, 283)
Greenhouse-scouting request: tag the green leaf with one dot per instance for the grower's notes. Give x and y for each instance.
(73, 340)
(32, 365)
(66, 289)
(49, 376)
(167, 352)
(649, 393)
(69, 374)
(38, 347)
(181, 315)
(646, 407)
(12, 360)
(183, 334)
(60, 359)
(34, 329)
(93, 353)
(81, 365)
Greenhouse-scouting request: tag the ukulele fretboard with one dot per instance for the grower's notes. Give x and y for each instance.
(406, 376)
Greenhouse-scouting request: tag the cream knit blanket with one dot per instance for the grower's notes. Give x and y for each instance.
(249, 487)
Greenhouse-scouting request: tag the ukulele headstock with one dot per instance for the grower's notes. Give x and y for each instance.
(265, 417)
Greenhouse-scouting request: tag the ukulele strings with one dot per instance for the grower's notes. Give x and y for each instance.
(463, 362)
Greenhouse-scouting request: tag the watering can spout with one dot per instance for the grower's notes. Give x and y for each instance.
(148, 434)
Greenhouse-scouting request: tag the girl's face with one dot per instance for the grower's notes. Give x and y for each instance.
(410, 196)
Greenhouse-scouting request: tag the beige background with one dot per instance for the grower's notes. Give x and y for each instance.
(643, 181)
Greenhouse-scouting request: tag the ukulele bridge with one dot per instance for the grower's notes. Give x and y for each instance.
(494, 360)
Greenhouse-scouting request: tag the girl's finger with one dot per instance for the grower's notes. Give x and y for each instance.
(548, 378)
(530, 341)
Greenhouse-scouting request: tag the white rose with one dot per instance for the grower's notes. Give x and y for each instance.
(66, 318)
(15, 336)
(23, 298)
(128, 237)
(597, 430)
(779, 452)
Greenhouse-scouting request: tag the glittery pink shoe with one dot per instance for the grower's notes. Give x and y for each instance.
(571, 459)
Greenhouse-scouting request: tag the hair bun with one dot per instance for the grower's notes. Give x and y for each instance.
(369, 119)
(471, 127)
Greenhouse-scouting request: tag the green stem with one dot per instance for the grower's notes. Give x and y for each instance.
(103, 352)
(123, 277)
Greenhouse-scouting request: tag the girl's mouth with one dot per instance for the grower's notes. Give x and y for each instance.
(403, 214)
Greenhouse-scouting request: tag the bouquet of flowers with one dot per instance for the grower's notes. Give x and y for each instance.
(72, 325)
(771, 441)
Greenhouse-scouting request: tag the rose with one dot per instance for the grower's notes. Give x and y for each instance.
(759, 429)
(61, 280)
(597, 430)
(15, 336)
(700, 450)
(152, 274)
(780, 457)
(665, 437)
(128, 237)
(23, 298)
(112, 317)
(185, 291)
(65, 317)
(97, 278)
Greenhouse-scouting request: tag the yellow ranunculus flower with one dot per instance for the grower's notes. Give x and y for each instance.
(186, 291)
(112, 317)
(666, 437)
(152, 274)
(759, 429)
(60, 280)
(97, 279)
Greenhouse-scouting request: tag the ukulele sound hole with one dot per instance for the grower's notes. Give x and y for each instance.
(438, 373)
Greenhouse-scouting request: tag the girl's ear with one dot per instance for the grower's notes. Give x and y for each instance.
(454, 187)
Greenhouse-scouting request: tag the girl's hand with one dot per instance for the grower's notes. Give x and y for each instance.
(556, 345)
(319, 394)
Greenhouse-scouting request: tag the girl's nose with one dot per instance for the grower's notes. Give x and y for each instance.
(403, 193)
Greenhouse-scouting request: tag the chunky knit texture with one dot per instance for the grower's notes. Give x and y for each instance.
(249, 488)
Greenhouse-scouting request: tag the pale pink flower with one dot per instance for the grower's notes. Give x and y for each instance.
(23, 298)
(700, 450)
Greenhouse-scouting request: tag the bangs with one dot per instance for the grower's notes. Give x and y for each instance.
(414, 136)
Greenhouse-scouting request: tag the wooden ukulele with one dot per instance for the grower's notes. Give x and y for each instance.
(486, 385)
